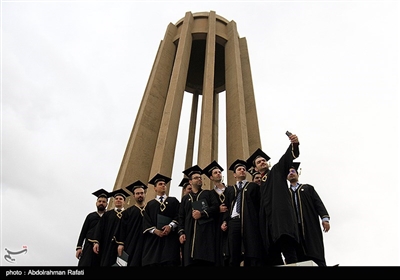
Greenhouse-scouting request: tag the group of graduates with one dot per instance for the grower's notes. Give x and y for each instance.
(250, 223)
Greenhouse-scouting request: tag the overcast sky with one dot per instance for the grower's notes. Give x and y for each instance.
(74, 72)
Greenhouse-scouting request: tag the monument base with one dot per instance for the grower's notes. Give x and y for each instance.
(305, 263)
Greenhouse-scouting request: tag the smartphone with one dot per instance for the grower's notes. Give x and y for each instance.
(288, 133)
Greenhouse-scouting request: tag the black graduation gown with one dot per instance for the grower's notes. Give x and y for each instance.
(107, 234)
(221, 237)
(132, 234)
(277, 215)
(311, 210)
(200, 234)
(160, 250)
(251, 237)
(88, 257)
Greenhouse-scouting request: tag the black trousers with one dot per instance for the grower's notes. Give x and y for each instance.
(286, 246)
(235, 242)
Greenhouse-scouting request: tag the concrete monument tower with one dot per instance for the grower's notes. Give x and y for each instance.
(202, 54)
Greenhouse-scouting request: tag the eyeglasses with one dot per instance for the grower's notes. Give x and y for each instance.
(196, 178)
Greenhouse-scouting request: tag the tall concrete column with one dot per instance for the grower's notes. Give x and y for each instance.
(202, 54)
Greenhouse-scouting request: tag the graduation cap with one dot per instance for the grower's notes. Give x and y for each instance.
(253, 172)
(135, 185)
(195, 169)
(159, 177)
(184, 182)
(120, 192)
(101, 193)
(296, 165)
(237, 163)
(209, 168)
(258, 153)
